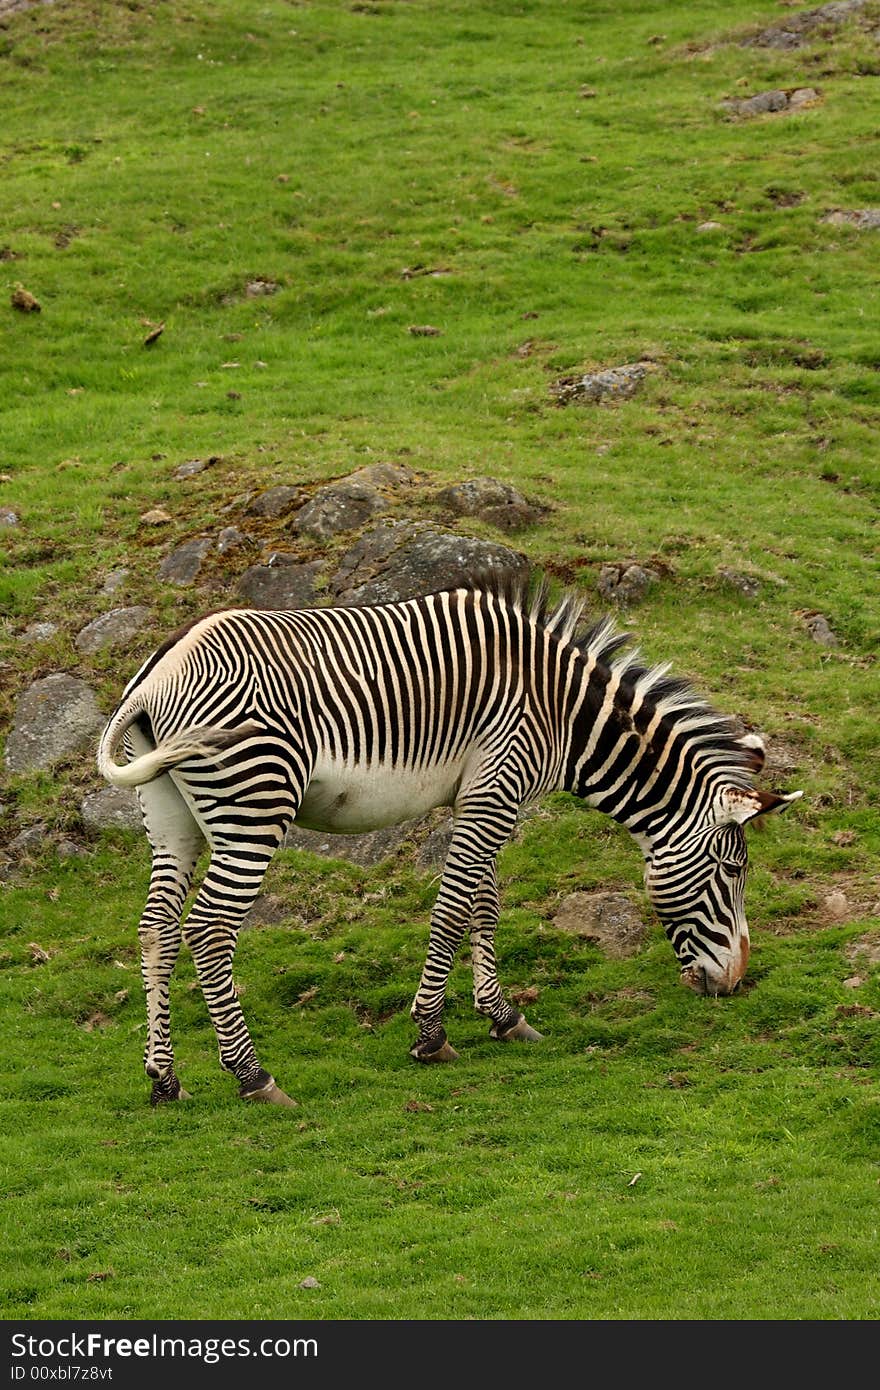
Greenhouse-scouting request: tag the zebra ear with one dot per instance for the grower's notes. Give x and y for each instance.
(753, 746)
(739, 804)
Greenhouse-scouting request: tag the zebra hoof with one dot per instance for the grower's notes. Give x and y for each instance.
(163, 1094)
(520, 1031)
(270, 1094)
(444, 1053)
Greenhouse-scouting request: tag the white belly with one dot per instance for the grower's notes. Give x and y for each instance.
(349, 801)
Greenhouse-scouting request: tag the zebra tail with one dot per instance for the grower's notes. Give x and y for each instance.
(203, 742)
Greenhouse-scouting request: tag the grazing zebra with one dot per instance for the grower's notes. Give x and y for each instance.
(480, 698)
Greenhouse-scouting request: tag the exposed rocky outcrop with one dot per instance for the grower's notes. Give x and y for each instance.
(611, 920)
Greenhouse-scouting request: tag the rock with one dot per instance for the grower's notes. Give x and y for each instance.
(340, 507)
(364, 850)
(836, 906)
(710, 227)
(818, 627)
(268, 910)
(435, 847)
(115, 579)
(111, 629)
(611, 920)
(400, 560)
(310, 1282)
(616, 383)
(492, 501)
(626, 582)
(24, 301)
(230, 538)
(190, 468)
(424, 330)
(747, 586)
(8, 517)
(865, 219)
(184, 563)
(156, 516)
(56, 716)
(259, 287)
(29, 841)
(794, 31)
(283, 583)
(69, 849)
(865, 950)
(112, 808)
(383, 475)
(760, 105)
(803, 96)
(38, 632)
(276, 501)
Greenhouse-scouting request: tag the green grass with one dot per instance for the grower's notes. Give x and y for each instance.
(154, 160)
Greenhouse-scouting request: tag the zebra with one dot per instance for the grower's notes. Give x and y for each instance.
(482, 698)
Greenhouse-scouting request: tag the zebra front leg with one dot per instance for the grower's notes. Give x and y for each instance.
(507, 1022)
(211, 930)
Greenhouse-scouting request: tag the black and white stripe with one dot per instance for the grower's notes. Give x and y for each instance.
(346, 719)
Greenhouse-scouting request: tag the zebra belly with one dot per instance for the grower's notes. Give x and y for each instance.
(349, 801)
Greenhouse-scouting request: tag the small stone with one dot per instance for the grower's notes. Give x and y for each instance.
(611, 920)
(844, 837)
(38, 632)
(111, 629)
(54, 717)
(230, 538)
(190, 468)
(710, 227)
(259, 287)
(865, 219)
(281, 585)
(112, 808)
(8, 517)
(24, 301)
(276, 501)
(156, 516)
(613, 384)
(853, 981)
(424, 330)
(836, 906)
(625, 583)
(29, 841)
(115, 579)
(819, 628)
(760, 105)
(184, 563)
(747, 586)
(69, 849)
(310, 1282)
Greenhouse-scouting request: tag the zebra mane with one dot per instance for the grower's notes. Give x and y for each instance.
(602, 642)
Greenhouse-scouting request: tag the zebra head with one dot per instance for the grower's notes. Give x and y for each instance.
(697, 887)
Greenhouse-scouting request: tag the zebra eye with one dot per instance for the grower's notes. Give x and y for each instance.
(732, 866)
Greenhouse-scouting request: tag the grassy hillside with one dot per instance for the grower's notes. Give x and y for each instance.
(288, 189)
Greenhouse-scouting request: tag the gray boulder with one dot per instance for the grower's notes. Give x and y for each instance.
(626, 583)
(611, 920)
(56, 716)
(184, 563)
(115, 808)
(339, 507)
(401, 560)
(111, 629)
(283, 583)
(492, 501)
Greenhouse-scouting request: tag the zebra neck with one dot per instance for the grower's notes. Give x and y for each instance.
(629, 761)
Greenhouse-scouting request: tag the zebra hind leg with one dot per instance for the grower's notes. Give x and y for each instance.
(176, 842)
(507, 1022)
(230, 886)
